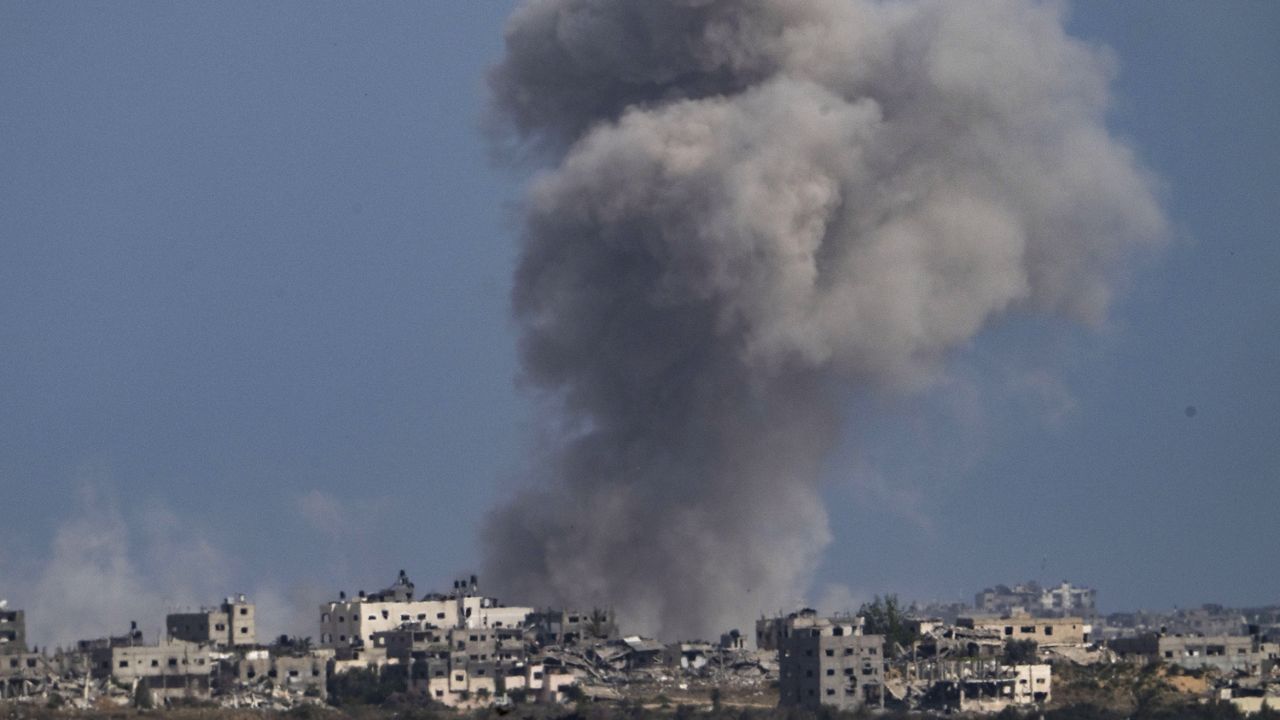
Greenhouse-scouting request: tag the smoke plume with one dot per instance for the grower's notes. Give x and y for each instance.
(750, 207)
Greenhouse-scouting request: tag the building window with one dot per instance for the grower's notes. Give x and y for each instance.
(439, 693)
(830, 652)
(1008, 629)
(173, 662)
(439, 616)
(831, 671)
(1048, 629)
(155, 663)
(244, 611)
(124, 663)
(831, 691)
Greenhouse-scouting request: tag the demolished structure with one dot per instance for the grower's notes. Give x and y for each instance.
(13, 630)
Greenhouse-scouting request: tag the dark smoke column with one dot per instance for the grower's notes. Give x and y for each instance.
(751, 206)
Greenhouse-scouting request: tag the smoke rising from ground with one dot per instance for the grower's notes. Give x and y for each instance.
(751, 206)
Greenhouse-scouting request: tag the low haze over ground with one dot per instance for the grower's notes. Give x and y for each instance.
(255, 266)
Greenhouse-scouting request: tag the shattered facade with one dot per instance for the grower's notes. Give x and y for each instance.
(307, 673)
(13, 630)
(830, 663)
(231, 624)
(171, 669)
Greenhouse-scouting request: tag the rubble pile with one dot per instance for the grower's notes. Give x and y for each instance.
(635, 665)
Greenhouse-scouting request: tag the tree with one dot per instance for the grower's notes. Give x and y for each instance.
(1020, 652)
(885, 617)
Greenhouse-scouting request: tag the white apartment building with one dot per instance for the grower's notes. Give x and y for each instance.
(347, 622)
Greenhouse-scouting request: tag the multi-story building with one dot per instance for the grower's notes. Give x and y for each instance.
(353, 622)
(829, 662)
(305, 672)
(170, 670)
(1068, 599)
(567, 627)
(13, 630)
(463, 666)
(987, 687)
(1030, 598)
(771, 631)
(1225, 653)
(229, 625)
(1045, 631)
(23, 674)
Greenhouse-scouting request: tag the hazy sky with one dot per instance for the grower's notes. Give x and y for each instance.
(254, 331)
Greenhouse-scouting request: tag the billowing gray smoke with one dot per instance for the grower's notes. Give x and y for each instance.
(752, 206)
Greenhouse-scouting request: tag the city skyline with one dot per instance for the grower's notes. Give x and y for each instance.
(255, 267)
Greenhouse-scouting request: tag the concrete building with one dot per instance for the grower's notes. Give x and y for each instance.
(13, 630)
(771, 631)
(829, 662)
(23, 674)
(1030, 598)
(231, 624)
(353, 622)
(1045, 631)
(306, 673)
(1225, 653)
(172, 669)
(988, 687)
(1067, 599)
(469, 667)
(568, 627)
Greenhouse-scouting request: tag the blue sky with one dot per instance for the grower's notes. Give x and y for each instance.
(254, 265)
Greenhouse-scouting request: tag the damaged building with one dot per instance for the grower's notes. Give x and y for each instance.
(462, 667)
(828, 661)
(1045, 631)
(228, 625)
(982, 686)
(13, 630)
(170, 669)
(1251, 655)
(347, 623)
(304, 673)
